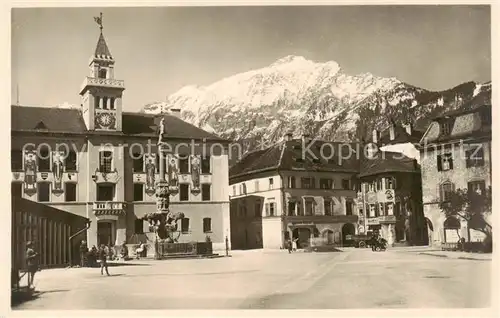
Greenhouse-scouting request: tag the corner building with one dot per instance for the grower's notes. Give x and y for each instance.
(102, 163)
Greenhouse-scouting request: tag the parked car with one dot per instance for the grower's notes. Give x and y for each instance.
(360, 240)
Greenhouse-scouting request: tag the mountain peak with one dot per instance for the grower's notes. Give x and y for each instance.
(290, 59)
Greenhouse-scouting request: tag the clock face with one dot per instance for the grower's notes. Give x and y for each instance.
(105, 120)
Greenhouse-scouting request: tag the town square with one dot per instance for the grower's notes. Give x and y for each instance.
(215, 158)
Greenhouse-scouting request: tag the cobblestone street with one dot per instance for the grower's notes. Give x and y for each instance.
(275, 280)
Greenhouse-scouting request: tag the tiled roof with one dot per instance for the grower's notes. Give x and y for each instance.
(400, 136)
(101, 50)
(386, 162)
(288, 156)
(63, 120)
(47, 119)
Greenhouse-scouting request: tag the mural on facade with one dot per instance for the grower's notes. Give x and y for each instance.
(30, 172)
(150, 174)
(173, 174)
(195, 174)
(57, 170)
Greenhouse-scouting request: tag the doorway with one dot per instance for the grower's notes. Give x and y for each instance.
(104, 233)
(328, 237)
(303, 235)
(347, 229)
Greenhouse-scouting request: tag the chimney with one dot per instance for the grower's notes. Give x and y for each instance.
(391, 132)
(175, 112)
(375, 136)
(408, 128)
(288, 136)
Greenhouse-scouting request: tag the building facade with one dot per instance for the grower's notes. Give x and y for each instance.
(279, 194)
(102, 163)
(455, 153)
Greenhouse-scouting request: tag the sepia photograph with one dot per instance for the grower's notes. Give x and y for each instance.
(251, 157)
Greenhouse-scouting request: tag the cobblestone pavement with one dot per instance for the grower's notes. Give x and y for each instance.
(276, 280)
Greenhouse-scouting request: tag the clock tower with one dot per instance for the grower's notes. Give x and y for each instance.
(100, 92)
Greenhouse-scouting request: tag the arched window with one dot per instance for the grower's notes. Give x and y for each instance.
(102, 73)
(105, 102)
(97, 102)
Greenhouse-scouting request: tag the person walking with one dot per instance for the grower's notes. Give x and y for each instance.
(31, 262)
(103, 259)
(289, 245)
(294, 244)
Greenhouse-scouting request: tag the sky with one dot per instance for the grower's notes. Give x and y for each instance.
(160, 50)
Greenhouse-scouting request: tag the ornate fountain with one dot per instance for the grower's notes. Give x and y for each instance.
(164, 222)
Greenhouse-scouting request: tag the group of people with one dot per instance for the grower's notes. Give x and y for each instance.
(89, 258)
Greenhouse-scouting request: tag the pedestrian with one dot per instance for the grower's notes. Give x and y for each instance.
(289, 245)
(83, 253)
(294, 244)
(102, 258)
(31, 262)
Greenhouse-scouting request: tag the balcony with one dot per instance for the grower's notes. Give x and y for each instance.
(103, 82)
(108, 208)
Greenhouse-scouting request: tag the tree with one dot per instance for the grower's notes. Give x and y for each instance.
(471, 206)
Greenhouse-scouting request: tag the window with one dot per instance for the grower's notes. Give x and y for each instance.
(70, 192)
(328, 207)
(184, 165)
(16, 160)
(102, 73)
(307, 183)
(205, 165)
(184, 192)
(476, 186)
(138, 162)
(271, 183)
(446, 190)
(44, 192)
(258, 209)
(371, 211)
(139, 226)
(474, 157)
(105, 102)
(205, 192)
(70, 161)
(256, 185)
(112, 103)
(371, 187)
(97, 102)
(207, 225)
(44, 160)
(445, 128)
(366, 187)
(270, 209)
(105, 192)
(16, 189)
(325, 183)
(346, 184)
(390, 209)
(445, 162)
(348, 207)
(291, 208)
(291, 182)
(138, 192)
(309, 207)
(185, 225)
(243, 188)
(234, 190)
(390, 183)
(105, 161)
(380, 181)
(486, 117)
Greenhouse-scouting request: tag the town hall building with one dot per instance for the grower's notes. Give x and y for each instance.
(100, 162)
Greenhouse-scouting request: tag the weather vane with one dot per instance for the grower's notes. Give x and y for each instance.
(98, 20)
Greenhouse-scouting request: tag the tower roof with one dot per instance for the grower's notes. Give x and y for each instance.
(101, 50)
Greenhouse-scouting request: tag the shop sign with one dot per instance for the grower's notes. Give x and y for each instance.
(372, 221)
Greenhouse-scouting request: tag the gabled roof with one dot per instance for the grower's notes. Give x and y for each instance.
(387, 162)
(401, 136)
(102, 50)
(347, 157)
(63, 120)
(50, 119)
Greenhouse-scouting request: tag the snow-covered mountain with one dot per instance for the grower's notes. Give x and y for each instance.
(298, 95)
